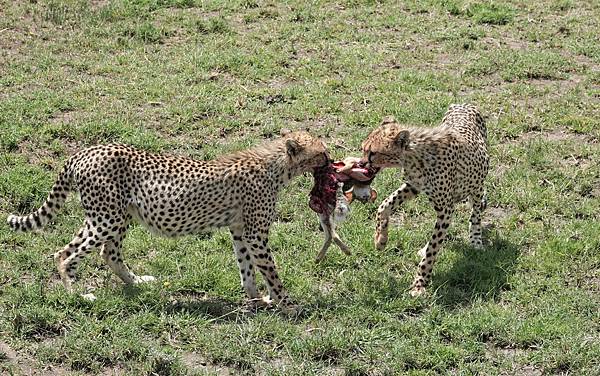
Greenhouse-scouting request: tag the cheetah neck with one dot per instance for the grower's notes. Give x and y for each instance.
(286, 173)
(424, 144)
(271, 159)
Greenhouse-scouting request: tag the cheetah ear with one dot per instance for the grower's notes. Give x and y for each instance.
(402, 139)
(292, 147)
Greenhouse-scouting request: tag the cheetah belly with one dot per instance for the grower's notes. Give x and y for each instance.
(187, 212)
(465, 183)
(460, 189)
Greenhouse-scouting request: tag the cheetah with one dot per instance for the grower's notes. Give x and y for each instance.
(174, 196)
(449, 163)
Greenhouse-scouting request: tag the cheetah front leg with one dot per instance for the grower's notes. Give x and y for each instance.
(385, 210)
(429, 252)
(244, 263)
(257, 242)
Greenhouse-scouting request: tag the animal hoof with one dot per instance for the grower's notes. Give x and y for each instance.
(380, 241)
(346, 250)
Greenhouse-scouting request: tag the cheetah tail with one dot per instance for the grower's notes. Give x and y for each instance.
(56, 198)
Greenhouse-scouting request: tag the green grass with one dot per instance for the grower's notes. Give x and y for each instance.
(201, 78)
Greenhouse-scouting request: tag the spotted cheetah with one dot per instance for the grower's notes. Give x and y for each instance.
(448, 163)
(174, 196)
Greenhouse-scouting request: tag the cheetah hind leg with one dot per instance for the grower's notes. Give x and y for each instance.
(112, 255)
(67, 259)
(112, 258)
(478, 204)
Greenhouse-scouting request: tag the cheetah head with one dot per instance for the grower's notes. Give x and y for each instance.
(386, 145)
(304, 151)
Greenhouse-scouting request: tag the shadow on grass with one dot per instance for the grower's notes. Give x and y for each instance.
(217, 309)
(476, 274)
(470, 275)
(222, 310)
(196, 303)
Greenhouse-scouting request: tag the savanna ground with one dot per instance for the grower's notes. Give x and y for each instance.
(201, 78)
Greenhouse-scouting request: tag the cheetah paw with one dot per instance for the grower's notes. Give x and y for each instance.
(259, 302)
(143, 279)
(291, 310)
(89, 297)
(417, 291)
(477, 244)
(265, 301)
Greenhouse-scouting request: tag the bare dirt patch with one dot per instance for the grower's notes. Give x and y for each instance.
(586, 62)
(9, 353)
(562, 85)
(24, 365)
(114, 371)
(278, 83)
(506, 41)
(11, 43)
(592, 281)
(63, 117)
(588, 282)
(45, 157)
(525, 371)
(557, 135)
(512, 356)
(97, 4)
(576, 161)
(197, 363)
(498, 214)
(36, 155)
(326, 287)
(561, 135)
(445, 60)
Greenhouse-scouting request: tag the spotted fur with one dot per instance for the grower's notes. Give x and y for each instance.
(448, 163)
(174, 196)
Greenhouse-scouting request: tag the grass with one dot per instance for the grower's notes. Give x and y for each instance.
(201, 78)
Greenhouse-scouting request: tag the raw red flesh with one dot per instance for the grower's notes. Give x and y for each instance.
(323, 193)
